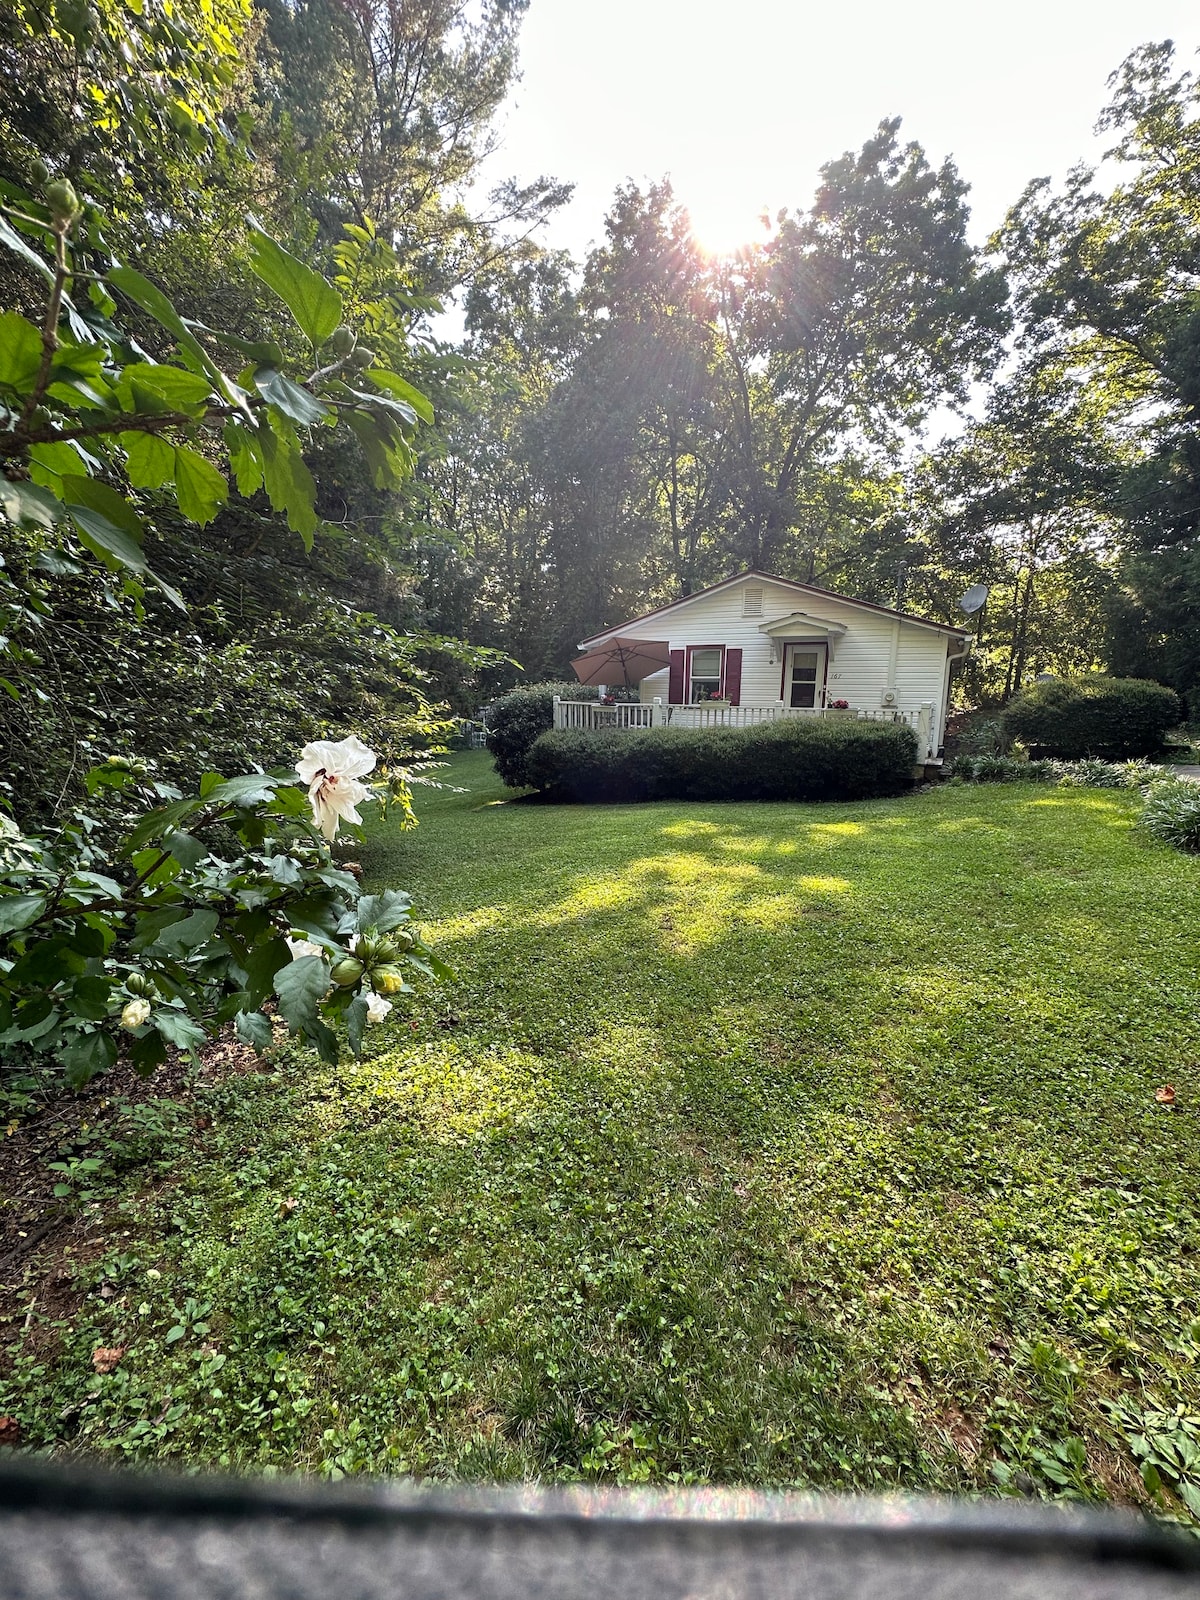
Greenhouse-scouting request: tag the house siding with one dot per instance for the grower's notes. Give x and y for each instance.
(876, 653)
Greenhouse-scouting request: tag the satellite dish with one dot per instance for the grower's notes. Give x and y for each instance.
(974, 598)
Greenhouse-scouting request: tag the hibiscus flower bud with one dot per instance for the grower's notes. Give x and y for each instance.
(135, 1013)
(388, 979)
(346, 972)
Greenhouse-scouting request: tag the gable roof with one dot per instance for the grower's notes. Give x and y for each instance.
(787, 583)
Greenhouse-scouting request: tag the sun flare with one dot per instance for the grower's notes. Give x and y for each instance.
(725, 224)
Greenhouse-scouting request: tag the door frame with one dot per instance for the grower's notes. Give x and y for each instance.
(822, 673)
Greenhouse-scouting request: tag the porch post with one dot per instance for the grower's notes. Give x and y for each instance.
(924, 730)
(558, 715)
(656, 715)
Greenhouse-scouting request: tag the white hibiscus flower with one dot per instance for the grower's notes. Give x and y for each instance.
(304, 947)
(377, 1008)
(331, 771)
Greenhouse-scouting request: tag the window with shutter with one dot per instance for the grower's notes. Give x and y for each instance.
(704, 673)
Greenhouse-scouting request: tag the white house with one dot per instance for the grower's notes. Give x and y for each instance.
(757, 647)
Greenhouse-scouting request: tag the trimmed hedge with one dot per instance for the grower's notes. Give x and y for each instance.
(1094, 716)
(792, 759)
(519, 717)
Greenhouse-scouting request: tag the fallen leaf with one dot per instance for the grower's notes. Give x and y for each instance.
(107, 1360)
(1166, 1095)
(286, 1207)
(354, 868)
(10, 1433)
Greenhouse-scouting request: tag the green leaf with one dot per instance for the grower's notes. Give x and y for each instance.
(14, 241)
(20, 353)
(261, 965)
(263, 352)
(29, 505)
(244, 790)
(87, 1055)
(181, 389)
(180, 937)
(156, 824)
(149, 459)
(245, 458)
(174, 1334)
(385, 911)
(50, 463)
(177, 1028)
(186, 848)
(395, 385)
(356, 1022)
(199, 488)
(107, 542)
(154, 302)
(90, 997)
(19, 910)
(288, 483)
(147, 1053)
(300, 988)
(279, 390)
(253, 1028)
(315, 304)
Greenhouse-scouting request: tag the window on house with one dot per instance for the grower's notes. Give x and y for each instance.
(752, 600)
(705, 674)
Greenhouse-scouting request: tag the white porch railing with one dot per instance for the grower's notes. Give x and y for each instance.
(654, 714)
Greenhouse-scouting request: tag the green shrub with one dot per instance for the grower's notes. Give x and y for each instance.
(519, 717)
(786, 760)
(1094, 716)
(1004, 769)
(1172, 813)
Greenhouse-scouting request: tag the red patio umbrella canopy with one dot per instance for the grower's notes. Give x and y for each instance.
(625, 661)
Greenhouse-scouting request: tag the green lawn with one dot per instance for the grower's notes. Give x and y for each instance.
(793, 1145)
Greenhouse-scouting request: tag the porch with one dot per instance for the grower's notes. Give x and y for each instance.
(655, 714)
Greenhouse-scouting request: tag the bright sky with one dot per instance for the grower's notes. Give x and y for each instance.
(741, 103)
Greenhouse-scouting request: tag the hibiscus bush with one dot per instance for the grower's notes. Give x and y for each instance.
(210, 907)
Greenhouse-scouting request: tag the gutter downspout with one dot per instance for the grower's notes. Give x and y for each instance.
(951, 658)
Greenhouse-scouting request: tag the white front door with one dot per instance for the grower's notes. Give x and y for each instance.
(804, 676)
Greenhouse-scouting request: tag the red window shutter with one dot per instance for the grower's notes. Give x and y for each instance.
(675, 692)
(733, 676)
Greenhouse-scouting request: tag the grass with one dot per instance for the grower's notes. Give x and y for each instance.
(772, 1145)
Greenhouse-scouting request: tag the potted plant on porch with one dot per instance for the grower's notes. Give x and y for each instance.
(840, 708)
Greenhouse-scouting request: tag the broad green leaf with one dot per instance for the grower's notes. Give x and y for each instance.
(50, 463)
(155, 824)
(149, 459)
(182, 390)
(243, 790)
(186, 848)
(315, 304)
(263, 352)
(154, 302)
(82, 491)
(289, 484)
(395, 385)
(20, 353)
(19, 910)
(148, 1052)
(14, 241)
(87, 1055)
(398, 408)
(356, 1022)
(29, 505)
(253, 1028)
(263, 962)
(385, 911)
(300, 987)
(199, 488)
(279, 390)
(245, 458)
(180, 937)
(90, 997)
(105, 540)
(177, 1028)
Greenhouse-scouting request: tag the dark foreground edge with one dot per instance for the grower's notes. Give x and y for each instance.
(74, 1535)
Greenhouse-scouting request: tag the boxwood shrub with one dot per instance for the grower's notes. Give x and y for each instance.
(792, 759)
(519, 717)
(1093, 716)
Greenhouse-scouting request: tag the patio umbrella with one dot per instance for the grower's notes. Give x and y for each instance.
(625, 661)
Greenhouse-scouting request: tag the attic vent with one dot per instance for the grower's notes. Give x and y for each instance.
(752, 600)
